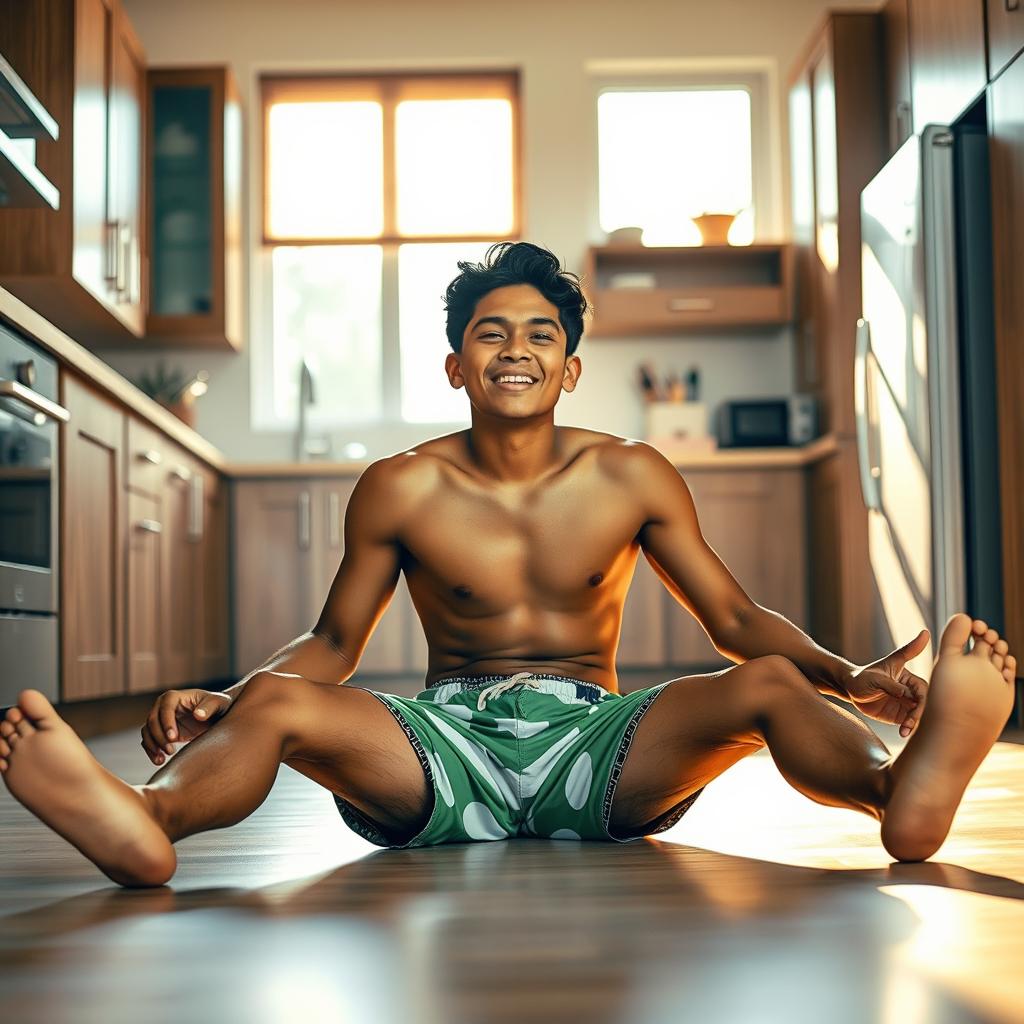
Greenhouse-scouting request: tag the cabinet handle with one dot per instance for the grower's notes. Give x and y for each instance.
(111, 258)
(134, 283)
(333, 508)
(304, 510)
(150, 525)
(151, 455)
(690, 305)
(196, 508)
(182, 473)
(1013, 5)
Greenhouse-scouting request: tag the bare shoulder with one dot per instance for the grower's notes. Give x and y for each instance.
(389, 489)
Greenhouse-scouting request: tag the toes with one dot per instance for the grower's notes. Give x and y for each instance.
(955, 635)
(24, 727)
(12, 740)
(991, 636)
(1001, 646)
(35, 705)
(6, 728)
(3, 765)
(997, 660)
(979, 626)
(4, 749)
(14, 715)
(980, 646)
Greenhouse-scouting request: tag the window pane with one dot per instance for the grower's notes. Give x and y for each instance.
(325, 167)
(327, 308)
(454, 166)
(424, 272)
(669, 155)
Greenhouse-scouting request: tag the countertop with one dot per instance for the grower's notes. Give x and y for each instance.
(73, 356)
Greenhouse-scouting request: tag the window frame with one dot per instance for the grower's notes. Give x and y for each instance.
(389, 89)
(757, 78)
(394, 86)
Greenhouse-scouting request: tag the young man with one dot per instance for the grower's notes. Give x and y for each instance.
(518, 540)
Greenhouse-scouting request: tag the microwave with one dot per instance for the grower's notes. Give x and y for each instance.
(763, 422)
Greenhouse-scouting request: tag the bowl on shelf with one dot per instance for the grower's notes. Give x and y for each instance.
(625, 236)
(714, 227)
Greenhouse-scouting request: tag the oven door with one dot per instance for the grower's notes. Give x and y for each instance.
(29, 419)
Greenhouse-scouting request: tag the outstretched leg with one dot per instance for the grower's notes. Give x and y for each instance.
(342, 737)
(701, 725)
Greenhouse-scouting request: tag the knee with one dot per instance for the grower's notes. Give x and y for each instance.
(773, 681)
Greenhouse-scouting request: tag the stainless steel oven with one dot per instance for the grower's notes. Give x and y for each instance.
(29, 439)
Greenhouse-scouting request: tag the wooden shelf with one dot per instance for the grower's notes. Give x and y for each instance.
(705, 287)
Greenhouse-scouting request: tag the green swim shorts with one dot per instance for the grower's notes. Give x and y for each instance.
(518, 755)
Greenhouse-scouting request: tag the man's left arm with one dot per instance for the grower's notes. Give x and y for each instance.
(739, 628)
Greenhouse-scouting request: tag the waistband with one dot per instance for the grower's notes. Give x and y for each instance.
(577, 690)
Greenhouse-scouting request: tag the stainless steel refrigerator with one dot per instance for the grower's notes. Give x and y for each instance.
(925, 386)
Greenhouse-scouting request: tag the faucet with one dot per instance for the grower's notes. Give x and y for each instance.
(304, 447)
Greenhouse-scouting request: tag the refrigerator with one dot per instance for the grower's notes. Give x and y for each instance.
(925, 386)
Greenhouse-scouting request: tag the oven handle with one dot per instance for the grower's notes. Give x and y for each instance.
(51, 410)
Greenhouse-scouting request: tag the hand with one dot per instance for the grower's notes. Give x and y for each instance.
(179, 716)
(889, 692)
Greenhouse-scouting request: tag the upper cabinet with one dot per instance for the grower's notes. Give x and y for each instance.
(947, 47)
(81, 266)
(898, 95)
(1005, 23)
(837, 144)
(194, 211)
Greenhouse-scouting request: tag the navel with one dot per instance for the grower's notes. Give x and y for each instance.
(595, 579)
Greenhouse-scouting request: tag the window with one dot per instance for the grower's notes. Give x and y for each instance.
(668, 153)
(374, 188)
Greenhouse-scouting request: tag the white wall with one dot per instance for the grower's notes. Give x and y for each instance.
(552, 42)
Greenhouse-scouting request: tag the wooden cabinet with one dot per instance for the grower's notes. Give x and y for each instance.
(92, 528)
(755, 521)
(839, 138)
(213, 603)
(144, 621)
(899, 102)
(194, 208)
(1006, 153)
(289, 542)
(81, 266)
(947, 71)
(703, 287)
(1004, 21)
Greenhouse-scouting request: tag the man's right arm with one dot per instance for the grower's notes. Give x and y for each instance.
(363, 586)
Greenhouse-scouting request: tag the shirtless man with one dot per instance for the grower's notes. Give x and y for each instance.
(518, 540)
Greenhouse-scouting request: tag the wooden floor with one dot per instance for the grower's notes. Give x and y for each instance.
(759, 906)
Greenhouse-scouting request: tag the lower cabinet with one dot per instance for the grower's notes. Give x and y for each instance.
(144, 556)
(289, 542)
(755, 521)
(92, 530)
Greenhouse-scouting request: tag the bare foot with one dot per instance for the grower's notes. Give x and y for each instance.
(970, 697)
(50, 770)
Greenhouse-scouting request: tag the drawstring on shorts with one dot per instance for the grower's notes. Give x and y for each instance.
(497, 689)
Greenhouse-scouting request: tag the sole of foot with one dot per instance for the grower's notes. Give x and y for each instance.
(970, 697)
(50, 770)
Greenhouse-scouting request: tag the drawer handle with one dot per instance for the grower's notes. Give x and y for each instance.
(151, 455)
(1013, 5)
(149, 525)
(182, 473)
(690, 305)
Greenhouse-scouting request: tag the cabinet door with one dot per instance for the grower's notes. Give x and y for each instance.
(1005, 26)
(948, 70)
(754, 520)
(386, 649)
(92, 519)
(276, 580)
(92, 259)
(181, 581)
(145, 605)
(124, 167)
(896, 49)
(1006, 130)
(212, 605)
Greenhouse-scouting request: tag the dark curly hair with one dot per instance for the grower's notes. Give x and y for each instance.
(508, 263)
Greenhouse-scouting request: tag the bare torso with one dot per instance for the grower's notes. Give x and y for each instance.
(512, 577)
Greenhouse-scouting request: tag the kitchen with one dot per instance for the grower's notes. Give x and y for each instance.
(143, 241)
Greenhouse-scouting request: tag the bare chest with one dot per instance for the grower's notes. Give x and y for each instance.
(559, 546)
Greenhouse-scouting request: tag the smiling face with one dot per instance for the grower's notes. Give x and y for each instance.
(514, 332)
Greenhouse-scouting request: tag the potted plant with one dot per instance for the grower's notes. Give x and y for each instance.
(175, 390)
